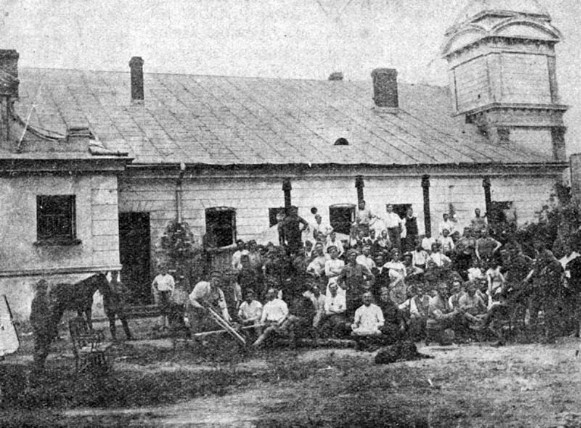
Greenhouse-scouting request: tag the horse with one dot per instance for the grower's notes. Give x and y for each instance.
(76, 297)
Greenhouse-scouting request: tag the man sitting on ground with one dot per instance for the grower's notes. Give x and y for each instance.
(274, 314)
(334, 318)
(394, 328)
(368, 318)
(250, 311)
(441, 316)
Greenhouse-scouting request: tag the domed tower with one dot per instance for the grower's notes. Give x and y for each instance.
(501, 57)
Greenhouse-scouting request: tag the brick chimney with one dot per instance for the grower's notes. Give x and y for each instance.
(385, 87)
(136, 66)
(9, 73)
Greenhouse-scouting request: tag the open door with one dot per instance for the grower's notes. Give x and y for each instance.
(135, 253)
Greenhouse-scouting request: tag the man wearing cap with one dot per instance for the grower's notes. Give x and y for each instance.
(290, 231)
(208, 294)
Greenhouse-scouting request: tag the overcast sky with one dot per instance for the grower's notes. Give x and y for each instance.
(269, 38)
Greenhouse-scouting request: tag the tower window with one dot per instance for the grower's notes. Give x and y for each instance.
(503, 135)
(341, 142)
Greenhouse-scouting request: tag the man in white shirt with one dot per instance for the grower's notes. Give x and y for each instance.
(333, 241)
(274, 314)
(250, 310)
(240, 249)
(368, 318)
(163, 287)
(364, 218)
(394, 225)
(333, 267)
(317, 265)
(334, 318)
(320, 229)
(447, 224)
(365, 258)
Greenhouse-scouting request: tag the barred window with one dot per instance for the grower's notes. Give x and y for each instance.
(55, 219)
(220, 226)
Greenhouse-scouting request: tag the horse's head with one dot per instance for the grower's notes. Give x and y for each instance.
(101, 283)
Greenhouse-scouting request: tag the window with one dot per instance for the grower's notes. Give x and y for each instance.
(55, 219)
(342, 217)
(220, 226)
(272, 213)
(503, 135)
(400, 209)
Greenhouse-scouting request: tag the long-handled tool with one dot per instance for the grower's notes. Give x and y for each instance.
(226, 325)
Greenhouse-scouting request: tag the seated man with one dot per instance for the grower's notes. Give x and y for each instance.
(368, 318)
(334, 319)
(394, 328)
(316, 266)
(472, 304)
(274, 314)
(250, 311)
(415, 311)
(441, 316)
(318, 300)
(457, 293)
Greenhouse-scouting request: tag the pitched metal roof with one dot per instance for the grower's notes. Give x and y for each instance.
(250, 121)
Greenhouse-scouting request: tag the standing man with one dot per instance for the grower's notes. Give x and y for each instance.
(163, 287)
(290, 231)
(114, 303)
(44, 328)
(208, 294)
(363, 218)
(394, 225)
(478, 223)
(410, 223)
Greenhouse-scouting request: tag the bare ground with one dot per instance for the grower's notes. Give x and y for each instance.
(462, 386)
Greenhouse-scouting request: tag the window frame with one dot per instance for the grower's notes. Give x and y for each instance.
(211, 236)
(66, 213)
(351, 207)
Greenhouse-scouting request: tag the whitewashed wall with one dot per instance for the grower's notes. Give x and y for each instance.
(252, 197)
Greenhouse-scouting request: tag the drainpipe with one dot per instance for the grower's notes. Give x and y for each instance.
(179, 191)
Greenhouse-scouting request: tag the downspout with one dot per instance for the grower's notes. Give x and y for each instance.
(179, 191)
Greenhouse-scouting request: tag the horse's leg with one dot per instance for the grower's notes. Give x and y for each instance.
(88, 316)
(112, 326)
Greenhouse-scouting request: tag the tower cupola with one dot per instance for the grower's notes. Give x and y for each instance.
(502, 69)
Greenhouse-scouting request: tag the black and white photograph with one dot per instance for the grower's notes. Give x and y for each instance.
(290, 213)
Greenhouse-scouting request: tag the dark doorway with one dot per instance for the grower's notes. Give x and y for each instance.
(134, 249)
(342, 217)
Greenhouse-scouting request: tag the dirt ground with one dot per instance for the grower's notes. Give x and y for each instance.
(472, 385)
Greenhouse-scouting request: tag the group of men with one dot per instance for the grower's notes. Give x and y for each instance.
(387, 289)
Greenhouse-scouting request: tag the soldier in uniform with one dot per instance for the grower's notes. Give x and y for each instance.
(43, 324)
(114, 302)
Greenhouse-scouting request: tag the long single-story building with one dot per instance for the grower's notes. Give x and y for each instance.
(96, 164)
